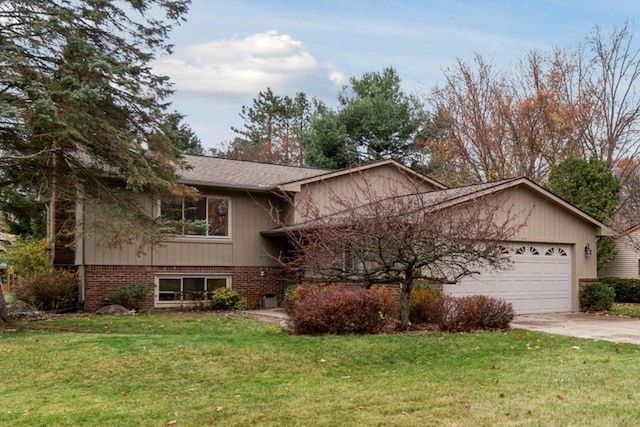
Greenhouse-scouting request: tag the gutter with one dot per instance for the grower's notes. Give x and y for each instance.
(257, 188)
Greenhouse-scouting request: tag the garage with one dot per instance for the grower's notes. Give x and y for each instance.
(538, 280)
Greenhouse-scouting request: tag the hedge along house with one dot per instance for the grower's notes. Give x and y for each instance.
(226, 238)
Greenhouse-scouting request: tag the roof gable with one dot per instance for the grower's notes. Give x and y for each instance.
(461, 194)
(296, 184)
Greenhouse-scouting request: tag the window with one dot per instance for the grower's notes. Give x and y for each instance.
(553, 251)
(205, 216)
(352, 262)
(527, 250)
(188, 288)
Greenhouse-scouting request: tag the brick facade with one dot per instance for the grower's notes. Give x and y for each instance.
(250, 282)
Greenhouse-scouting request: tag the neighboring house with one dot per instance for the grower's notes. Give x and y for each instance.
(232, 240)
(627, 261)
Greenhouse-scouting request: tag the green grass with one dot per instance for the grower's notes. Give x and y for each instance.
(202, 369)
(622, 309)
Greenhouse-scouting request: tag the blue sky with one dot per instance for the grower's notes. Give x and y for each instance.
(228, 51)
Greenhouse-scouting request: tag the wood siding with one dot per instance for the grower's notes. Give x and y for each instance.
(328, 196)
(626, 262)
(244, 247)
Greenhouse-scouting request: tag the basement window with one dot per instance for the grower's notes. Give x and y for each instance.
(189, 289)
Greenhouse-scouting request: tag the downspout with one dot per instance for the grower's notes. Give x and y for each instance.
(81, 262)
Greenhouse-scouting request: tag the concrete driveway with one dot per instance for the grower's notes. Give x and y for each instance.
(582, 325)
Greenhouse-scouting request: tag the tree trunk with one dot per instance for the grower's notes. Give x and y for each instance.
(405, 292)
(4, 317)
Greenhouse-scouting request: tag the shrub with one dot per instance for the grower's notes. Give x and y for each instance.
(339, 311)
(227, 299)
(627, 290)
(597, 297)
(128, 295)
(29, 256)
(50, 290)
(295, 293)
(475, 312)
(425, 305)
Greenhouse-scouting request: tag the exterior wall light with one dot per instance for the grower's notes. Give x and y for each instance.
(587, 250)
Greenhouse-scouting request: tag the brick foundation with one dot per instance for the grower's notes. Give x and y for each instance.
(100, 280)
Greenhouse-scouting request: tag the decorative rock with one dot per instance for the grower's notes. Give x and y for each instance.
(114, 309)
(20, 307)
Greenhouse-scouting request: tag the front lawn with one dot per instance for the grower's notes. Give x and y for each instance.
(623, 309)
(202, 369)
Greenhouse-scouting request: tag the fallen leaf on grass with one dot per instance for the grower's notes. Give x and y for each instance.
(575, 347)
(559, 397)
(495, 368)
(172, 422)
(218, 408)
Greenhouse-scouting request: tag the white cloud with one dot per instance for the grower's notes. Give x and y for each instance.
(234, 68)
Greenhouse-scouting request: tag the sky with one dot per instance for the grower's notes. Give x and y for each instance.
(228, 51)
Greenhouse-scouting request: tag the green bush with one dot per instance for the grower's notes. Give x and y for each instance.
(50, 290)
(475, 312)
(128, 295)
(627, 290)
(28, 256)
(227, 299)
(425, 305)
(597, 297)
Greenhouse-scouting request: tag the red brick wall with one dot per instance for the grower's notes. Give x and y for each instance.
(100, 280)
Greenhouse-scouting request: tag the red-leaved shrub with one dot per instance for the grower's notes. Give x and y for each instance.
(475, 312)
(425, 305)
(331, 310)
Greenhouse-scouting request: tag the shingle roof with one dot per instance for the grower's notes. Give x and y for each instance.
(218, 172)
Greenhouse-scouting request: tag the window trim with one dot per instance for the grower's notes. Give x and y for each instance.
(179, 303)
(197, 236)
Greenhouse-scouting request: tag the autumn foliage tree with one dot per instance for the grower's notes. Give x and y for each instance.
(381, 231)
(582, 101)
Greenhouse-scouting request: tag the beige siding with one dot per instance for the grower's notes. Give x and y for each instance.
(93, 238)
(626, 262)
(340, 192)
(245, 247)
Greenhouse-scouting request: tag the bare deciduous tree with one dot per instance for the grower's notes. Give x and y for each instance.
(438, 236)
(582, 101)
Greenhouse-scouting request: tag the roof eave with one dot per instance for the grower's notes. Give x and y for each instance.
(254, 188)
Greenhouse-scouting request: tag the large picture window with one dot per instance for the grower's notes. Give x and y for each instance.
(205, 216)
(188, 288)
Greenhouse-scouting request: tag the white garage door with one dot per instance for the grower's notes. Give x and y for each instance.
(538, 281)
